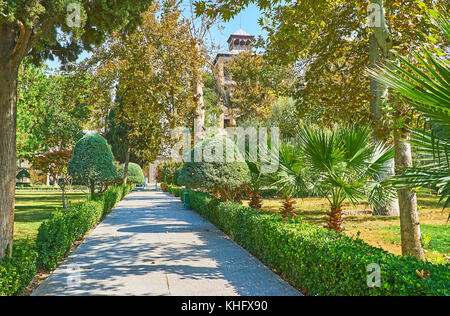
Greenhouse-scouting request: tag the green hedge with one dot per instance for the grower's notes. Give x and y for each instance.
(30, 187)
(57, 235)
(112, 196)
(18, 271)
(55, 239)
(316, 260)
(177, 191)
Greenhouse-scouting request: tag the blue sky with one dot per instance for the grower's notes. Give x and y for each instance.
(247, 20)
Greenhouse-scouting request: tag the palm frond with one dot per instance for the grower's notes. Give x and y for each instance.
(427, 88)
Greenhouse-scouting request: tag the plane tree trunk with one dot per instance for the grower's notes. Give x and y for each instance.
(381, 44)
(409, 217)
(200, 108)
(9, 68)
(379, 95)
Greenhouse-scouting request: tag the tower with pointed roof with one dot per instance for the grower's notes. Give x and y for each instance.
(238, 42)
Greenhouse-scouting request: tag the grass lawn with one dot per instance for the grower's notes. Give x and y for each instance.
(380, 231)
(33, 207)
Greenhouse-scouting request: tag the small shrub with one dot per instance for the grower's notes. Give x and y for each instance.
(135, 174)
(18, 271)
(176, 191)
(225, 178)
(57, 235)
(92, 161)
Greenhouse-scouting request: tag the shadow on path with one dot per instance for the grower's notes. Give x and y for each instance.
(151, 245)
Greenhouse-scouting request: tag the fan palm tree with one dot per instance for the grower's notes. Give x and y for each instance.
(427, 88)
(292, 178)
(346, 163)
(255, 185)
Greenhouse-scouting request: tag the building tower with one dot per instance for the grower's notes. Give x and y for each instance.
(239, 42)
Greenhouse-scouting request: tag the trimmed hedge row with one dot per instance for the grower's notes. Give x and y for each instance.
(57, 235)
(176, 191)
(50, 188)
(55, 239)
(18, 271)
(316, 260)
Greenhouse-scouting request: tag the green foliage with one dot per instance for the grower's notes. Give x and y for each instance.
(177, 191)
(226, 177)
(292, 177)
(172, 170)
(285, 116)
(30, 187)
(211, 97)
(48, 113)
(149, 57)
(135, 174)
(92, 161)
(47, 21)
(331, 84)
(18, 271)
(345, 163)
(57, 235)
(318, 261)
(427, 88)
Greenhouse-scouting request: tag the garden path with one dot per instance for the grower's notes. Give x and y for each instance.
(151, 245)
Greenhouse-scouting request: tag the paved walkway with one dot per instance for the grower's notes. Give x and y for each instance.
(151, 245)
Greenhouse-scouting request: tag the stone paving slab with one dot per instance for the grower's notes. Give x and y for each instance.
(150, 245)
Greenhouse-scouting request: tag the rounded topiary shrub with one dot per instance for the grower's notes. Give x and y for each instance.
(92, 161)
(135, 174)
(214, 172)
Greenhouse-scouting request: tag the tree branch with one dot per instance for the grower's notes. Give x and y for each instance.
(21, 38)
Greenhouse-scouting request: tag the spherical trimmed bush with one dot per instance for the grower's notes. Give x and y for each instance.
(135, 174)
(214, 173)
(92, 161)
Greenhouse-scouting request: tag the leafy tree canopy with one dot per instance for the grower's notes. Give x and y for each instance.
(327, 42)
(47, 30)
(50, 114)
(154, 69)
(53, 163)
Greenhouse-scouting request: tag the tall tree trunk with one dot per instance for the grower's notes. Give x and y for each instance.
(8, 117)
(200, 109)
(409, 216)
(380, 46)
(127, 163)
(199, 118)
(407, 199)
(92, 188)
